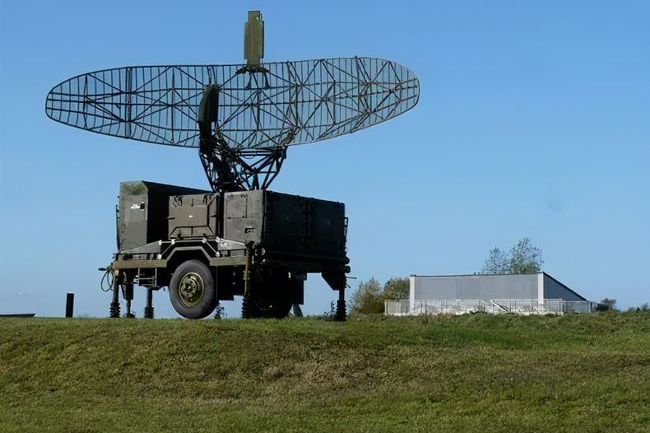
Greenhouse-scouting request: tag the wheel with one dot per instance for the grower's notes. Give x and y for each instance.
(274, 306)
(270, 298)
(192, 290)
(279, 304)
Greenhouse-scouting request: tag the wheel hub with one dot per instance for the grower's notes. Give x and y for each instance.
(190, 289)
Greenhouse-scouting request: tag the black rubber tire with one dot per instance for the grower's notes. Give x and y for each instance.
(282, 304)
(278, 297)
(270, 296)
(207, 301)
(277, 308)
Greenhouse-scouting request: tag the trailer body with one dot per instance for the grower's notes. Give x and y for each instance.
(258, 243)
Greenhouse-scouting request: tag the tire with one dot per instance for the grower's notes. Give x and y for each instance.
(282, 303)
(192, 290)
(270, 298)
(276, 303)
(277, 307)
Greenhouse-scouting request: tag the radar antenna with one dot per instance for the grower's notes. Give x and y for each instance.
(242, 118)
(229, 170)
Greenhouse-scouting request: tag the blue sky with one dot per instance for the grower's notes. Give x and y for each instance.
(534, 120)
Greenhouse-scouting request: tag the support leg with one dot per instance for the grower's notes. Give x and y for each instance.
(248, 308)
(148, 309)
(115, 304)
(340, 307)
(337, 280)
(128, 295)
(297, 311)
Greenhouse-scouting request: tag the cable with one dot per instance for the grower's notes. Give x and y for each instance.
(108, 277)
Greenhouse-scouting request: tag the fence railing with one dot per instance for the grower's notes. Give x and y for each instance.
(493, 306)
(396, 308)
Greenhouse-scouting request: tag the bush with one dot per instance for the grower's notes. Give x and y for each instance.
(606, 305)
(369, 297)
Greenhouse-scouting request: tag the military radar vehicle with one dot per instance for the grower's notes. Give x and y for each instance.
(236, 238)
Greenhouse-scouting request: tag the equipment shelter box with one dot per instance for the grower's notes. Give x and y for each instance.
(285, 223)
(143, 212)
(282, 223)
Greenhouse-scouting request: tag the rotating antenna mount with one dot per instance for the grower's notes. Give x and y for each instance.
(228, 170)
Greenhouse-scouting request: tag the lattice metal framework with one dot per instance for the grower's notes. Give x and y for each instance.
(259, 113)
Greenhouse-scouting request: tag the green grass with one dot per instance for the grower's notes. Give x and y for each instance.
(475, 373)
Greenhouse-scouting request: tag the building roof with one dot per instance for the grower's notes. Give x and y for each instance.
(476, 275)
(566, 287)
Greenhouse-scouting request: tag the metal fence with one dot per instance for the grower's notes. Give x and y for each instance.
(396, 308)
(493, 306)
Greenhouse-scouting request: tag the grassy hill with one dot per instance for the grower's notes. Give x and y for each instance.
(474, 373)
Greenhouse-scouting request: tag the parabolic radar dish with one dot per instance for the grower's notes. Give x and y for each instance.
(272, 106)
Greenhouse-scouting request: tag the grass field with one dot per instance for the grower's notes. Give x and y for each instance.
(474, 373)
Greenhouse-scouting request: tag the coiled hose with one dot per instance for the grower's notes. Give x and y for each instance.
(107, 277)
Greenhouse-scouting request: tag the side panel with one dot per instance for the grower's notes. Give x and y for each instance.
(328, 227)
(553, 289)
(307, 225)
(193, 216)
(133, 206)
(484, 287)
(285, 224)
(158, 211)
(244, 216)
(143, 212)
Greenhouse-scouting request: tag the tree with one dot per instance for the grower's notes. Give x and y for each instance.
(368, 298)
(606, 304)
(396, 289)
(496, 263)
(523, 258)
(645, 307)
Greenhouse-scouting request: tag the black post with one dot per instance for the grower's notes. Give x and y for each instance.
(69, 304)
